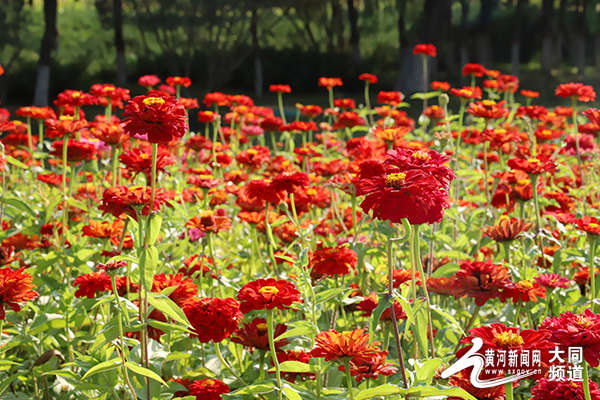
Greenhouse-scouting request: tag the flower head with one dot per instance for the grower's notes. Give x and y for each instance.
(481, 280)
(372, 79)
(562, 389)
(507, 229)
(330, 82)
(334, 345)
(89, 284)
(576, 90)
(280, 88)
(269, 294)
(161, 118)
(15, 288)
(213, 318)
(208, 389)
(104, 229)
(589, 225)
(148, 81)
(254, 335)
(208, 221)
(332, 261)
(425, 49)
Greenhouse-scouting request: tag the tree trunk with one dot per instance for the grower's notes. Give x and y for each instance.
(484, 39)
(354, 32)
(515, 56)
(42, 85)
(119, 42)
(579, 36)
(464, 45)
(548, 40)
(258, 70)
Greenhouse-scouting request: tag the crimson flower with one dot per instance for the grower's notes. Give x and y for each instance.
(89, 284)
(330, 82)
(185, 293)
(370, 303)
(559, 389)
(254, 335)
(299, 356)
(443, 86)
(269, 294)
(467, 92)
(178, 81)
(488, 109)
(589, 225)
(213, 318)
(507, 229)
(148, 81)
(577, 330)
(481, 280)
(75, 98)
(260, 189)
(76, 150)
(576, 90)
(104, 229)
(551, 281)
(161, 118)
(474, 69)
(331, 261)
(280, 88)
(425, 49)
(542, 163)
(208, 389)
(429, 161)
(524, 291)
(391, 98)
(65, 125)
(530, 94)
(15, 288)
(372, 79)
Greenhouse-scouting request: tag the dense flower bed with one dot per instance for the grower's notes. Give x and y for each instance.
(348, 252)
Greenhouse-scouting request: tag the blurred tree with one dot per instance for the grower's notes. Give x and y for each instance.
(549, 35)
(13, 21)
(354, 32)
(111, 16)
(42, 86)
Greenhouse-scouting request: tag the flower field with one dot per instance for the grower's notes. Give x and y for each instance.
(347, 252)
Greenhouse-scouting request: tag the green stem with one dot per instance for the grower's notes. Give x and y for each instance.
(211, 251)
(349, 377)
(592, 269)
(41, 134)
(424, 280)
(226, 364)
(271, 330)
(65, 223)
(576, 133)
(121, 340)
(261, 365)
(115, 163)
(368, 103)
(508, 386)
(586, 382)
(424, 81)
(517, 314)
(281, 111)
(270, 240)
(108, 110)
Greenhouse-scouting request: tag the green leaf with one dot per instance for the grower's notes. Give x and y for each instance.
(296, 332)
(405, 304)
(291, 393)
(448, 316)
(420, 330)
(106, 336)
(378, 391)
(15, 162)
(124, 257)
(16, 203)
(428, 95)
(329, 294)
(148, 264)
(426, 371)
(297, 367)
(144, 372)
(430, 391)
(6, 382)
(77, 204)
(165, 305)
(103, 367)
(254, 389)
(384, 302)
(163, 326)
(153, 228)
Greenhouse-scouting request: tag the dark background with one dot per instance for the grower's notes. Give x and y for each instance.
(243, 46)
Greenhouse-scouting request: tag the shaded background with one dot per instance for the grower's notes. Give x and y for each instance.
(243, 46)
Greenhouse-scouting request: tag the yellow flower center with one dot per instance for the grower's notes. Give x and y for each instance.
(252, 152)
(533, 161)
(499, 131)
(546, 132)
(209, 382)
(526, 284)
(593, 225)
(488, 103)
(207, 214)
(144, 156)
(422, 155)
(150, 101)
(503, 218)
(109, 89)
(205, 176)
(66, 118)
(583, 321)
(311, 192)
(261, 327)
(76, 95)
(268, 289)
(522, 182)
(395, 179)
(508, 339)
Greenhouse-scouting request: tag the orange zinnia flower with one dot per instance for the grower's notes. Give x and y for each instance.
(209, 222)
(589, 225)
(506, 229)
(330, 82)
(65, 125)
(488, 109)
(104, 229)
(334, 345)
(15, 287)
(577, 90)
(178, 81)
(269, 294)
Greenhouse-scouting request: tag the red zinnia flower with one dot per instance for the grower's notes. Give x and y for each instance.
(116, 94)
(578, 90)
(474, 69)
(442, 285)
(577, 330)
(372, 79)
(481, 280)
(530, 94)
(392, 196)
(488, 109)
(161, 118)
(267, 293)
(333, 345)
(538, 165)
(311, 111)
(76, 150)
(589, 225)
(254, 335)
(560, 389)
(185, 293)
(117, 200)
(75, 98)
(178, 81)
(506, 229)
(370, 303)
(524, 291)
(287, 181)
(89, 284)
(344, 103)
(391, 98)
(148, 81)
(425, 49)
(65, 125)
(140, 160)
(208, 389)
(111, 133)
(443, 86)
(333, 261)
(15, 287)
(214, 319)
(467, 92)
(429, 161)
(371, 369)
(280, 88)
(209, 222)
(330, 82)
(551, 281)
